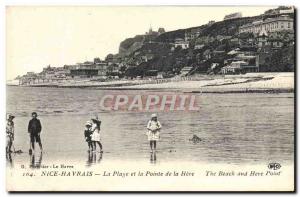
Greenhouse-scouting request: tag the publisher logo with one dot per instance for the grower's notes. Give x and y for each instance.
(274, 166)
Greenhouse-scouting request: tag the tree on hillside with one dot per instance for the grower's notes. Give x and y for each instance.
(282, 60)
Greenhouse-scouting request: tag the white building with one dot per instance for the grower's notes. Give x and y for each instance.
(234, 67)
(182, 43)
(287, 11)
(280, 23)
(233, 15)
(185, 70)
(199, 46)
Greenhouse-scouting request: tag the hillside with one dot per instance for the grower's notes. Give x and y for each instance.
(157, 52)
(225, 28)
(129, 45)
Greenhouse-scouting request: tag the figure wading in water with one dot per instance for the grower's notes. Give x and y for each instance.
(153, 133)
(96, 134)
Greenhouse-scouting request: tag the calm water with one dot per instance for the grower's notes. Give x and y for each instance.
(234, 128)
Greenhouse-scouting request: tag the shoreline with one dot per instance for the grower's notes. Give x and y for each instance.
(201, 91)
(248, 83)
(204, 90)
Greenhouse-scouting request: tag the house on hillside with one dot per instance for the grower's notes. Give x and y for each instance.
(151, 73)
(280, 23)
(185, 70)
(234, 52)
(199, 46)
(161, 30)
(89, 69)
(234, 41)
(192, 34)
(233, 16)
(246, 40)
(51, 72)
(252, 64)
(241, 63)
(262, 41)
(277, 41)
(113, 70)
(221, 38)
(147, 57)
(211, 22)
(179, 42)
(207, 54)
(84, 73)
(233, 68)
(218, 55)
(214, 66)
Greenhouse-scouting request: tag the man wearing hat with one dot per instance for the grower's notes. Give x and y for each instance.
(34, 129)
(10, 133)
(153, 127)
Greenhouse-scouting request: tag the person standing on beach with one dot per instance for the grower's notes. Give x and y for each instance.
(34, 130)
(87, 135)
(153, 133)
(96, 134)
(10, 133)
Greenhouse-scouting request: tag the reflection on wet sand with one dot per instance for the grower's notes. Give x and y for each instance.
(36, 160)
(153, 157)
(93, 158)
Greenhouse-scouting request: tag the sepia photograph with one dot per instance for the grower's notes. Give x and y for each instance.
(150, 98)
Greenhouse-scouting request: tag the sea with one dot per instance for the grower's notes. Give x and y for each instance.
(234, 128)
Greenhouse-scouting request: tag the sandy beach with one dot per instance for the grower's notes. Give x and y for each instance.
(250, 82)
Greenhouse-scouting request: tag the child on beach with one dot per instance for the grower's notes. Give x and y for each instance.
(9, 133)
(87, 135)
(153, 133)
(96, 134)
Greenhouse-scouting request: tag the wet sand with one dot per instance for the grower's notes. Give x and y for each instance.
(234, 128)
(238, 132)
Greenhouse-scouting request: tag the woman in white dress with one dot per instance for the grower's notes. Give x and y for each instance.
(96, 134)
(153, 133)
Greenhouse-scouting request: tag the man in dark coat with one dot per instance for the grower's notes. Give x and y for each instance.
(34, 130)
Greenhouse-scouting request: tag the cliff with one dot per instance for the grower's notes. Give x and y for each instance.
(130, 45)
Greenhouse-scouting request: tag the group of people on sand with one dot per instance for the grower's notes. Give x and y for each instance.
(34, 131)
(92, 134)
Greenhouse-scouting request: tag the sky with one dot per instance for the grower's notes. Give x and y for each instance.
(37, 36)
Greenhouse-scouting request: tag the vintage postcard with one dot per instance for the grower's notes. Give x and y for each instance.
(150, 98)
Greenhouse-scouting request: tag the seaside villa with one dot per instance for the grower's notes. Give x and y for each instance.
(280, 23)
